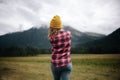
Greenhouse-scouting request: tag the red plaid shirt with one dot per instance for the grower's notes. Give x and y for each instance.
(61, 46)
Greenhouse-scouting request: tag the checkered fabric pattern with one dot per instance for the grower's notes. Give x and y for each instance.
(61, 46)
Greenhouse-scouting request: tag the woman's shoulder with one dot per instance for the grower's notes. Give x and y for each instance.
(63, 34)
(65, 31)
(68, 32)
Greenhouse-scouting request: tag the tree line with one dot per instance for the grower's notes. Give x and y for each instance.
(22, 51)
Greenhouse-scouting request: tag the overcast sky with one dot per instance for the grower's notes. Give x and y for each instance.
(101, 16)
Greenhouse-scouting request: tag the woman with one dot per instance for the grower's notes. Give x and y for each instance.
(60, 40)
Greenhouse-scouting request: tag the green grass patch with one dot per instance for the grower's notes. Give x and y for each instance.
(85, 67)
(97, 62)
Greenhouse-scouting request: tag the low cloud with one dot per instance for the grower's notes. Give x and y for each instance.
(101, 16)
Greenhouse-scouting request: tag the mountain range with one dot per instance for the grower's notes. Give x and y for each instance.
(107, 44)
(37, 37)
(82, 42)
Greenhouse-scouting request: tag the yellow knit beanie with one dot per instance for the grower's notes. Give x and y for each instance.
(56, 22)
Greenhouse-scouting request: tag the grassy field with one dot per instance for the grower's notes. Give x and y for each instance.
(85, 67)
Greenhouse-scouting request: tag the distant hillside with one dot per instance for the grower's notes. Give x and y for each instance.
(33, 38)
(37, 37)
(35, 41)
(108, 44)
(79, 37)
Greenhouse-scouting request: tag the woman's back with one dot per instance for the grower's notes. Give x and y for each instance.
(61, 46)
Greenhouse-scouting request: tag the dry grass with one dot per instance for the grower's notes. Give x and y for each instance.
(85, 67)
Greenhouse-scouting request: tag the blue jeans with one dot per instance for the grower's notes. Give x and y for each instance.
(62, 73)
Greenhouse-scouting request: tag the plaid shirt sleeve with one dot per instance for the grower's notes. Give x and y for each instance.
(61, 46)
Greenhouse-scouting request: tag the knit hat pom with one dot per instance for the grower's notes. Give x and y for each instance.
(56, 22)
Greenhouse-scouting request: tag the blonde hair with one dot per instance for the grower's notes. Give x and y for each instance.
(52, 32)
